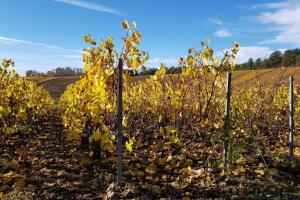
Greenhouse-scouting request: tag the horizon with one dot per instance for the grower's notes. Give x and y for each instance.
(40, 40)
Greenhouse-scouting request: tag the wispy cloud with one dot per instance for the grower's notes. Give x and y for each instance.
(216, 21)
(37, 55)
(92, 6)
(223, 33)
(13, 41)
(276, 5)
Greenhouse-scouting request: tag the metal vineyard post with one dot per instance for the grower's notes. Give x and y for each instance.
(291, 118)
(226, 118)
(119, 122)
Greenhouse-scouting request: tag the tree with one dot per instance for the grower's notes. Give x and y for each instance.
(147, 71)
(258, 63)
(275, 59)
(250, 63)
(288, 58)
(174, 70)
(266, 64)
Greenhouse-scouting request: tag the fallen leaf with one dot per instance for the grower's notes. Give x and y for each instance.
(62, 173)
(151, 169)
(20, 184)
(46, 170)
(259, 171)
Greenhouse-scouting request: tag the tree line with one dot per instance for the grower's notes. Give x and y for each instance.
(288, 58)
(59, 71)
(151, 70)
(67, 71)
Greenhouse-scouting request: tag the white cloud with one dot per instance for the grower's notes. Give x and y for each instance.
(223, 33)
(285, 16)
(247, 52)
(252, 52)
(216, 21)
(155, 62)
(91, 6)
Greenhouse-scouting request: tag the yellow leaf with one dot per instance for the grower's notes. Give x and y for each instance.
(174, 139)
(169, 158)
(128, 144)
(205, 61)
(136, 37)
(213, 70)
(190, 60)
(85, 58)
(125, 24)
(109, 71)
(87, 67)
(129, 44)
(14, 164)
(96, 136)
(233, 64)
(215, 61)
(2, 111)
(171, 134)
(73, 135)
(124, 121)
(113, 137)
(88, 38)
(191, 50)
(259, 171)
(161, 130)
(237, 46)
(135, 63)
(187, 170)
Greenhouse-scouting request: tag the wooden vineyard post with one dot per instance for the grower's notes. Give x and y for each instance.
(119, 122)
(226, 118)
(291, 117)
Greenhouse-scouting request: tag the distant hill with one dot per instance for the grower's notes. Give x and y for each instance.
(54, 85)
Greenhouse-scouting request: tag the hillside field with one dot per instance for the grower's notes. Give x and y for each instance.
(57, 85)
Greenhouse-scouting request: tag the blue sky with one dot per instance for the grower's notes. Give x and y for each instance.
(43, 34)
